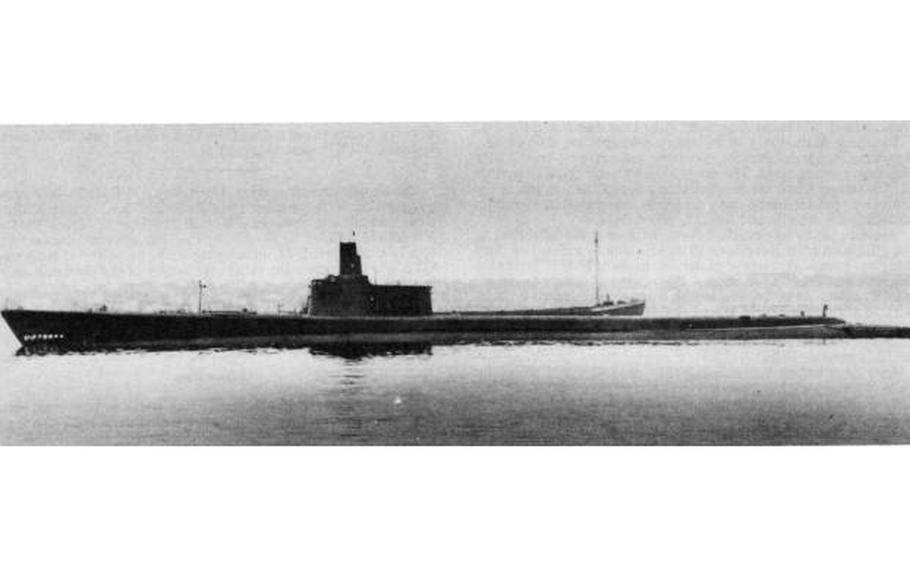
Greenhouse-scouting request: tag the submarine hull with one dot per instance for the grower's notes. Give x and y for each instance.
(39, 330)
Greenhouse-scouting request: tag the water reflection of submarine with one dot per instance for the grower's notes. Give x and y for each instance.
(355, 351)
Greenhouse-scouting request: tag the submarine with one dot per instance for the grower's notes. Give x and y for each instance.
(348, 309)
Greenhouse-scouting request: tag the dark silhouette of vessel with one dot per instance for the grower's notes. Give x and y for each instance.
(348, 309)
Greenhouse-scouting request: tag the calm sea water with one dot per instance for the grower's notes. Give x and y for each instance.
(785, 392)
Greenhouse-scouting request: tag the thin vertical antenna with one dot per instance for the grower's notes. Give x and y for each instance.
(201, 287)
(596, 269)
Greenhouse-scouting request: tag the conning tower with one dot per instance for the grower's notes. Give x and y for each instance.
(351, 294)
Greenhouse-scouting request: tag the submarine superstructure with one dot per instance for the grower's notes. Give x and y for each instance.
(349, 309)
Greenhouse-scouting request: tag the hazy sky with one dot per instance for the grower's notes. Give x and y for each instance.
(101, 205)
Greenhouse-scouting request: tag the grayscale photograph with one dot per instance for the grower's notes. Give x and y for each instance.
(456, 283)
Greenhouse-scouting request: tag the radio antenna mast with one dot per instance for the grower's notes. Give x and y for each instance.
(596, 269)
(202, 286)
